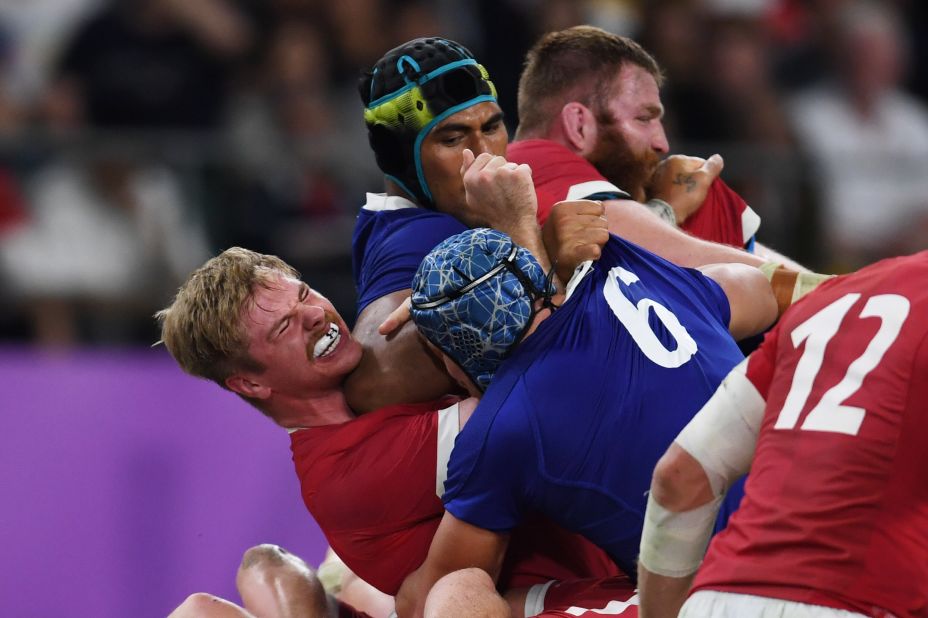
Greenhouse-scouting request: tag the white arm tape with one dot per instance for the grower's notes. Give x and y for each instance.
(673, 544)
(663, 210)
(722, 436)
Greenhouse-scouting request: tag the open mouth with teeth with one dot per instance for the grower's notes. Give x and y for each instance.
(327, 342)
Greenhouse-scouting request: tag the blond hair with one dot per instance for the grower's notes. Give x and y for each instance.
(577, 64)
(202, 328)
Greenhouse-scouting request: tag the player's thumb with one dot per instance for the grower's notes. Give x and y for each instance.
(397, 318)
(713, 166)
(468, 160)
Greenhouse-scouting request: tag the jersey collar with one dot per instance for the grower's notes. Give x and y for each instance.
(381, 201)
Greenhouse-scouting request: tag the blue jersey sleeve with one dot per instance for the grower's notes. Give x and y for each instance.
(713, 295)
(487, 470)
(388, 246)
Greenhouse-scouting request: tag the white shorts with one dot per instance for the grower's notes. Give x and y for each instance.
(710, 603)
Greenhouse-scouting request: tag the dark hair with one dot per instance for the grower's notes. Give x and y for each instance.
(576, 64)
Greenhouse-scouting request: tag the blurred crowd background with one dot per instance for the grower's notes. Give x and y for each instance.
(139, 137)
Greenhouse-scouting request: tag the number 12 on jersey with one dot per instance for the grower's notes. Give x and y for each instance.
(830, 414)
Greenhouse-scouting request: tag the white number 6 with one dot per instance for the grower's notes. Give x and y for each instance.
(635, 320)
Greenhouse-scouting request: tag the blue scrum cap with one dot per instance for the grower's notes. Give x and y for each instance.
(474, 297)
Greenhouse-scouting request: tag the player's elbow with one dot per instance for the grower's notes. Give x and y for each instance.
(761, 303)
(752, 301)
(679, 482)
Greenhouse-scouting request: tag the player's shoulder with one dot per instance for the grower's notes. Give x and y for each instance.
(523, 151)
(498, 424)
(549, 157)
(374, 430)
(905, 272)
(356, 454)
(385, 218)
(383, 208)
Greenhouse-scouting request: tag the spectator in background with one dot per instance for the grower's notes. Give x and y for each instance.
(720, 88)
(296, 154)
(869, 140)
(33, 33)
(12, 210)
(150, 64)
(103, 238)
(111, 230)
(10, 110)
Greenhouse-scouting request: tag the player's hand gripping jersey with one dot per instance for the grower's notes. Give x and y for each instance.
(577, 417)
(836, 506)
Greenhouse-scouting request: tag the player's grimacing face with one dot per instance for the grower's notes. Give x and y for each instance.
(479, 128)
(296, 333)
(632, 141)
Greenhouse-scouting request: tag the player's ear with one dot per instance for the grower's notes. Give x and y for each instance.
(242, 385)
(579, 127)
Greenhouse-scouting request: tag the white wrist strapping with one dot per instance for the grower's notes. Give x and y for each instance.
(662, 209)
(673, 544)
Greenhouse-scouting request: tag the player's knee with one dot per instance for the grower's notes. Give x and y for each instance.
(264, 555)
(478, 578)
(468, 592)
(272, 561)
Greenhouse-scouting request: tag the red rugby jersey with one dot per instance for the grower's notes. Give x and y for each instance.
(836, 506)
(373, 486)
(724, 217)
(559, 175)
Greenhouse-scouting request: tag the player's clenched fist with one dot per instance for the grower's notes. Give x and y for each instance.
(499, 193)
(574, 233)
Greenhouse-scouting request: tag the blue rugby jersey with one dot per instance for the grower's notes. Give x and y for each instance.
(576, 419)
(390, 238)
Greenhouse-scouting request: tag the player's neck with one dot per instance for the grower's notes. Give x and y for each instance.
(326, 408)
(543, 313)
(393, 189)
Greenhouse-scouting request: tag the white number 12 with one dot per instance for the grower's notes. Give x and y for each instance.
(830, 414)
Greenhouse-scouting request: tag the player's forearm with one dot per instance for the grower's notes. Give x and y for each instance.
(528, 235)
(410, 600)
(770, 255)
(661, 596)
(394, 369)
(632, 222)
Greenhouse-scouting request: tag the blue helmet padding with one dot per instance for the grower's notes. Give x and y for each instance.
(468, 299)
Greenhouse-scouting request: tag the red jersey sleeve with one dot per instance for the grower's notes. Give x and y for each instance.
(724, 217)
(561, 175)
(370, 485)
(762, 362)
